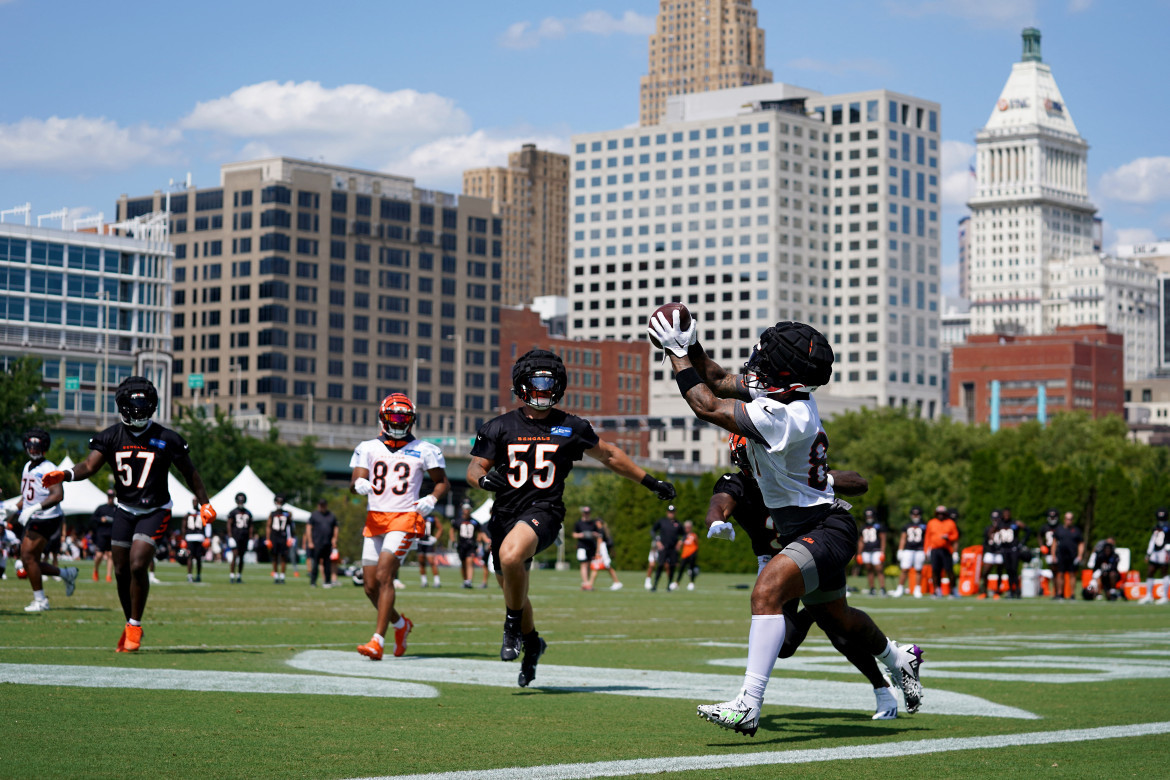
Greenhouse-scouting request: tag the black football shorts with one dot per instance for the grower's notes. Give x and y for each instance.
(544, 521)
(150, 527)
(822, 551)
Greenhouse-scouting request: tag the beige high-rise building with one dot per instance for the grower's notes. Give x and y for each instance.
(532, 197)
(307, 292)
(699, 46)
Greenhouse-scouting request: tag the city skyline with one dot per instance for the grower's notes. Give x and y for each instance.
(68, 141)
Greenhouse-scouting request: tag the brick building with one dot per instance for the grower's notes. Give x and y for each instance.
(607, 379)
(1081, 367)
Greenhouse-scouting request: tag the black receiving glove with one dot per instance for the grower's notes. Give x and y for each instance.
(664, 490)
(493, 480)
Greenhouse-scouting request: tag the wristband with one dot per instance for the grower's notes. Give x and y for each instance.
(686, 379)
(70, 473)
(649, 482)
(829, 478)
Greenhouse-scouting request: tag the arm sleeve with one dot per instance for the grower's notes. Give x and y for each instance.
(747, 426)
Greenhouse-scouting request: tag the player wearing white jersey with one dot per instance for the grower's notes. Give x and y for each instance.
(771, 405)
(1158, 556)
(389, 470)
(40, 514)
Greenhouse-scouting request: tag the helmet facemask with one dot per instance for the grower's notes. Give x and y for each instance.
(397, 416)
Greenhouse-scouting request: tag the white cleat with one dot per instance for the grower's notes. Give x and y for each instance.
(38, 606)
(1146, 600)
(735, 715)
(648, 585)
(1162, 601)
(897, 592)
(690, 586)
(616, 586)
(399, 585)
(154, 580)
(672, 586)
(69, 577)
(918, 593)
(906, 677)
(886, 707)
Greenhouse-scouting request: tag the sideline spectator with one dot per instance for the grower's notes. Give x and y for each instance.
(604, 559)
(942, 536)
(689, 562)
(668, 540)
(321, 542)
(1070, 551)
(103, 530)
(1106, 566)
(585, 532)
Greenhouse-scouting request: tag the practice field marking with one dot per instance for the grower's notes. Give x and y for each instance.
(688, 686)
(1065, 669)
(879, 750)
(223, 682)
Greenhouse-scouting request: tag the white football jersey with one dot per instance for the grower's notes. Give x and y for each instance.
(397, 475)
(33, 492)
(792, 468)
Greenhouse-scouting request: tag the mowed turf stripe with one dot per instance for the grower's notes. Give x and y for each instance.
(225, 682)
(878, 750)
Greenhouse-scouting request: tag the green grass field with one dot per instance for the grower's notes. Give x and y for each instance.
(256, 680)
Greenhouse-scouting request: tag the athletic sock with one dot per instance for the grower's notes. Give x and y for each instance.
(39, 595)
(884, 698)
(512, 619)
(381, 640)
(133, 622)
(764, 641)
(889, 656)
(531, 639)
(399, 623)
(1166, 587)
(436, 580)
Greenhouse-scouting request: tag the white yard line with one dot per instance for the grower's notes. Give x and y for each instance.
(877, 750)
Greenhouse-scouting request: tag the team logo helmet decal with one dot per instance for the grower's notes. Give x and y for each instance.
(397, 415)
(737, 445)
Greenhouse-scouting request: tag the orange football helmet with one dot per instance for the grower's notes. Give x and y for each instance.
(397, 415)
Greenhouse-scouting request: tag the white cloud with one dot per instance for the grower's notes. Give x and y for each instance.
(1134, 236)
(1144, 180)
(439, 164)
(1078, 6)
(82, 144)
(525, 35)
(957, 185)
(983, 13)
(840, 67)
(346, 124)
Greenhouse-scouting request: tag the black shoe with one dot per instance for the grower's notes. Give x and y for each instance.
(532, 654)
(510, 649)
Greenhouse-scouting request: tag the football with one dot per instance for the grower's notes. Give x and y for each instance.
(667, 310)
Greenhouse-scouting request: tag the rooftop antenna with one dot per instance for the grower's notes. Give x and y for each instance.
(26, 209)
(60, 214)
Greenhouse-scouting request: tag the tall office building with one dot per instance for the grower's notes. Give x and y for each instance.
(532, 197)
(762, 204)
(698, 46)
(1031, 204)
(95, 307)
(965, 256)
(307, 292)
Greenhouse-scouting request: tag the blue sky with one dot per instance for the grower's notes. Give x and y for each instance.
(100, 100)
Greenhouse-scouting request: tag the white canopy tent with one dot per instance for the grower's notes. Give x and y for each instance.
(484, 512)
(180, 496)
(260, 497)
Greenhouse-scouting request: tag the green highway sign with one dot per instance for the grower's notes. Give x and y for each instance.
(195, 381)
(72, 383)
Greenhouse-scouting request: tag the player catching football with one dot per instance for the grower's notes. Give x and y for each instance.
(140, 452)
(524, 457)
(389, 470)
(771, 405)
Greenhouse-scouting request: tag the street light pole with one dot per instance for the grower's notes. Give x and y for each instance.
(414, 379)
(458, 337)
(239, 375)
(105, 355)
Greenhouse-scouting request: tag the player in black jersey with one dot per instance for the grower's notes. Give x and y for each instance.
(737, 495)
(463, 533)
(278, 536)
(1012, 536)
(992, 554)
(239, 523)
(140, 453)
(196, 538)
(103, 534)
(911, 553)
(524, 457)
(871, 550)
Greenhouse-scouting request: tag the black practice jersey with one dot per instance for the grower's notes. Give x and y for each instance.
(589, 528)
(1048, 538)
(281, 525)
(141, 463)
(915, 535)
(667, 531)
(1068, 540)
(239, 521)
(536, 456)
(871, 537)
(991, 539)
(750, 512)
(1009, 536)
(465, 530)
(103, 518)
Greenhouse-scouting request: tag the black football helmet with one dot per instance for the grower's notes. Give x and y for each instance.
(137, 401)
(36, 443)
(789, 356)
(1161, 515)
(539, 378)
(1053, 517)
(738, 446)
